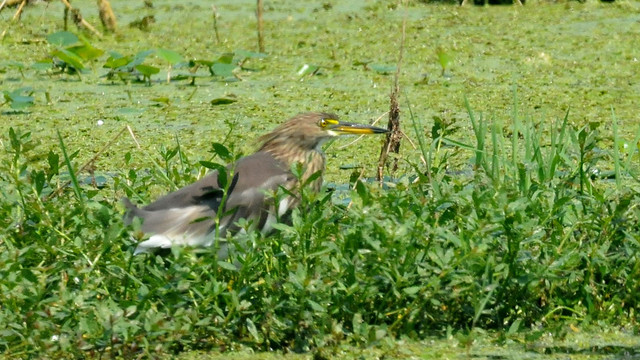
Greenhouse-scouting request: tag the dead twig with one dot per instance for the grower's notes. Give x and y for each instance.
(260, 26)
(404, 135)
(79, 20)
(392, 140)
(16, 16)
(18, 13)
(133, 136)
(215, 23)
(107, 17)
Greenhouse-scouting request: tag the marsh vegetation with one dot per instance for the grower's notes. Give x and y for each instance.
(512, 221)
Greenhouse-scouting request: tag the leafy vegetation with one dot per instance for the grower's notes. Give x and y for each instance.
(529, 234)
(19, 99)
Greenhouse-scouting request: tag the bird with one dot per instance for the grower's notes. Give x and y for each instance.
(189, 216)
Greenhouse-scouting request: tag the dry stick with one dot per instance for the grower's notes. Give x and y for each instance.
(392, 141)
(15, 16)
(133, 136)
(81, 19)
(66, 18)
(363, 169)
(424, 161)
(107, 17)
(90, 162)
(215, 23)
(18, 13)
(4, 2)
(260, 25)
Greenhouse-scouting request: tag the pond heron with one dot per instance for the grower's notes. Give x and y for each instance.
(189, 217)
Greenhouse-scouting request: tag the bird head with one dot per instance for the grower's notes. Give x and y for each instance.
(310, 130)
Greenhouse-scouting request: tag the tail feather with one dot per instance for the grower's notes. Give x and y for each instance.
(132, 210)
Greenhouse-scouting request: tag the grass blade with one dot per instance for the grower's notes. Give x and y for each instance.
(616, 155)
(72, 173)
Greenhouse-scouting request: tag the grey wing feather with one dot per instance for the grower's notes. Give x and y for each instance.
(190, 211)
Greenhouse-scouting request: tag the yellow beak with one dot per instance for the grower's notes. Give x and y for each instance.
(346, 128)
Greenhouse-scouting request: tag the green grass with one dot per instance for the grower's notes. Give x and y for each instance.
(527, 237)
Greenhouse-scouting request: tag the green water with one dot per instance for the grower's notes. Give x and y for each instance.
(560, 56)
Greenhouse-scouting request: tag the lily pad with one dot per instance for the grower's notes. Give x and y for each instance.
(62, 38)
(223, 69)
(169, 55)
(163, 100)
(20, 98)
(147, 70)
(382, 69)
(86, 51)
(116, 60)
(70, 58)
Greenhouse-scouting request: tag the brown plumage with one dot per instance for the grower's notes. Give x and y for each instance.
(188, 215)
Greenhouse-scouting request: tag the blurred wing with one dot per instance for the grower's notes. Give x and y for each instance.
(187, 216)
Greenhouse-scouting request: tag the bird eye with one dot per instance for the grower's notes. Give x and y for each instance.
(323, 122)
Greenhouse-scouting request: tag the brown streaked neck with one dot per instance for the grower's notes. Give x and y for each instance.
(290, 154)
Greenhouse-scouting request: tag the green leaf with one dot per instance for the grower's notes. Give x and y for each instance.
(72, 174)
(116, 62)
(147, 70)
(316, 307)
(140, 57)
(225, 58)
(71, 59)
(44, 64)
(383, 69)
(444, 58)
(62, 38)
(313, 177)
(227, 266)
(53, 160)
(164, 100)
(29, 276)
(515, 326)
(221, 151)
(20, 98)
(252, 330)
(86, 51)
(223, 101)
(363, 192)
(211, 165)
(222, 69)
(412, 290)
(169, 55)
(207, 63)
(38, 181)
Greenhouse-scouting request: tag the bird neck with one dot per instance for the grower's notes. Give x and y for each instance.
(312, 160)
